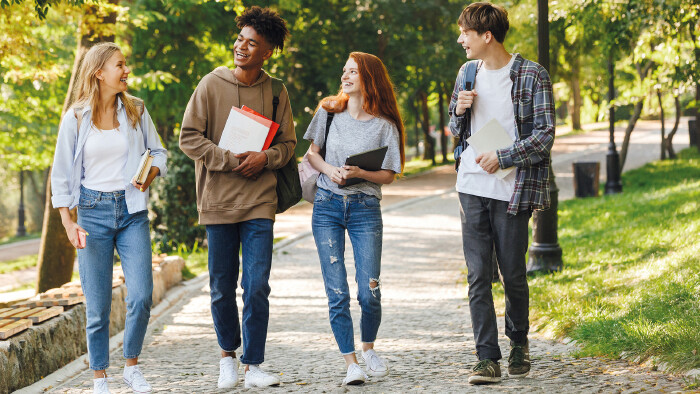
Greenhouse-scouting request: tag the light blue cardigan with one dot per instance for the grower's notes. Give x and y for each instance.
(67, 172)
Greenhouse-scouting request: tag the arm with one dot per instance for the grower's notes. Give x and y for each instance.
(281, 149)
(384, 177)
(194, 143)
(61, 171)
(456, 120)
(160, 154)
(537, 146)
(334, 173)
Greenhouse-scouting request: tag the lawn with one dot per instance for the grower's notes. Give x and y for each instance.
(631, 279)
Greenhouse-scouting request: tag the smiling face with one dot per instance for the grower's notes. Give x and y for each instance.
(250, 49)
(350, 80)
(113, 75)
(473, 43)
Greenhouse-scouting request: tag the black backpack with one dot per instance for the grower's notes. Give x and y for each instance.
(465, 131)
(288, 183)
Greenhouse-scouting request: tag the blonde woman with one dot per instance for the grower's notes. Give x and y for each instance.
(100, 142)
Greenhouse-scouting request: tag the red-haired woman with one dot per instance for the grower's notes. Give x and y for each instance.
(365, 116)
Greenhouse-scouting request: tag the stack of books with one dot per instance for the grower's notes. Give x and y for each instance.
(247, 130)
(144, 168)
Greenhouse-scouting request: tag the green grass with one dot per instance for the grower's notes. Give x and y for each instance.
(416, 166)
(12, 239)
(18, 264)
(631, 279)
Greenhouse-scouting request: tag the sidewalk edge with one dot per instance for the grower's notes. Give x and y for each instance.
(75, 367)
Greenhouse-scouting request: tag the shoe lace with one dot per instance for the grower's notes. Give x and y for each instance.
(374, 361)
(517, 356)
(137, 377)
(481, 365)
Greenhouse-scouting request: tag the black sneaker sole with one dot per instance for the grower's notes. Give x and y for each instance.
(522, 375)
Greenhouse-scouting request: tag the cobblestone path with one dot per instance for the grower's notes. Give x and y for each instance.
(425, 335)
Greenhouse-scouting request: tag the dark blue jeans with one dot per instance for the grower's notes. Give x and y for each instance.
(361, 216)
(225, 241)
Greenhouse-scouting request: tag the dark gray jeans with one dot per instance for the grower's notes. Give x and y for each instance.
(485, 226)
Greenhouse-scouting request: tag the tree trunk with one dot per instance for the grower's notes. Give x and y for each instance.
(576, 94)
(443, 137)
(642, 71)
(429, 141)
(669, 139)
(56, 253)
(663, 126)
(696, 52)
(416, 129)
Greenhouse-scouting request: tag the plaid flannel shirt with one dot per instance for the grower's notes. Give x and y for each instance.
(533, 106)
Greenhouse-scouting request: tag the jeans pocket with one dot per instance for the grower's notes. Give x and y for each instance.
(322, 196)
(87, 202)
(371, 202)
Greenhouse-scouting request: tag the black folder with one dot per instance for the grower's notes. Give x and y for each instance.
(370, 160)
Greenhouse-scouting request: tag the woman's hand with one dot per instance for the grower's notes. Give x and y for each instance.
(72, 229)
(336, 175)
(353, 172)
(152, 173)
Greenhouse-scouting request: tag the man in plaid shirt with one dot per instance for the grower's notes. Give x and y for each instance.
(495, 211)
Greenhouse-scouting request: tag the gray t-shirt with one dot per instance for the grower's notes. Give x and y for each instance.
(348, 136)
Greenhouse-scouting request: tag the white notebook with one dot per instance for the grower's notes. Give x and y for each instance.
(242, 134)
(492, 136)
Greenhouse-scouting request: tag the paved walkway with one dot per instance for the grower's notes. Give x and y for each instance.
(425, 334)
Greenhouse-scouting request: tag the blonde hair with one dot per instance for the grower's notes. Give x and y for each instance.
(88, 87)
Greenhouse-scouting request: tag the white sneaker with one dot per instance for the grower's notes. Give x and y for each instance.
(256, 377)
(375, 365)
(100, 386)
(228, 372)
(135, 380)
(354, 376)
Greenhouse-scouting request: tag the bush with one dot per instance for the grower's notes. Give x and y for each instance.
(174, 204)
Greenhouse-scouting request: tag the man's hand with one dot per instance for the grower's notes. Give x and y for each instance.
(152, 173)
(251, 164)
(464, 101)
(488, 161)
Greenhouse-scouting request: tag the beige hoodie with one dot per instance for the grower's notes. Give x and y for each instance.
(224, 196)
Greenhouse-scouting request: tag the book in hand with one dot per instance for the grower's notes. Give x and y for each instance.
(246, 130)
(144, 168)
(370, 160)
(491, 137)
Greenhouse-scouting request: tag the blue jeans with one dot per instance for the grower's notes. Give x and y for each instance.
(361, 216)
(225, 241)
(105, 217)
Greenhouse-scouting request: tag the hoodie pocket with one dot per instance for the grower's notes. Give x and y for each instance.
(228, 190)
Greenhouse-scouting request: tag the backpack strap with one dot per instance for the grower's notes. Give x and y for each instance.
(277, 86)
(329, 120)
(469, 79)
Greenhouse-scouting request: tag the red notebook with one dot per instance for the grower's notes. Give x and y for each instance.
(274, 126)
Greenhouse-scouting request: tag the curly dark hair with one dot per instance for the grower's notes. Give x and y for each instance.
(265, 22)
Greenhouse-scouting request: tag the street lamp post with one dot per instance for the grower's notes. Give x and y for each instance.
(545, 252)
(613, 185)
(21, 230)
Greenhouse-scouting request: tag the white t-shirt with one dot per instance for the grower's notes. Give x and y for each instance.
(493, 102)
(104, 158)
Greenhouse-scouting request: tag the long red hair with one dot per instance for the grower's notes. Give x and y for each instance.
(378, 94)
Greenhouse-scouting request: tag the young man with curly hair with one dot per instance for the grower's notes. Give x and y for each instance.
(236, 197)
(517, 93)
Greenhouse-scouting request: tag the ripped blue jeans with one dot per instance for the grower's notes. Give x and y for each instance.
(361, 216)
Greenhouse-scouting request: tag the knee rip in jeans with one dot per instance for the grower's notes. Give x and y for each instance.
(330, 243)
(374, 284)
(333, 259)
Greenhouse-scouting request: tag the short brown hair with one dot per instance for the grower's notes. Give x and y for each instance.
(483, 17)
